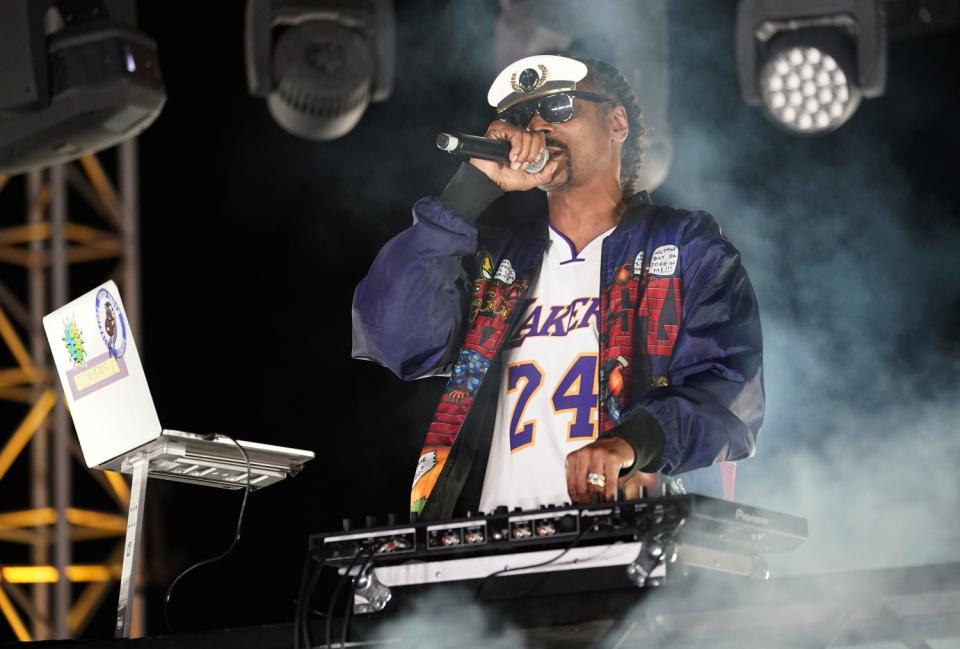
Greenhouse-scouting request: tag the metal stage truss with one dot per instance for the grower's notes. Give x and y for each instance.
(51, 596)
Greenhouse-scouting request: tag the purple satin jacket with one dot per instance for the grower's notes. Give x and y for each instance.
(680, 353)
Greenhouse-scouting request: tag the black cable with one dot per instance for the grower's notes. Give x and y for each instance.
(306, 583)
(333, 599)
(303, 624)
(205, 562)
(306, 576)
(353, 589)
(591, 528)
(299, 606)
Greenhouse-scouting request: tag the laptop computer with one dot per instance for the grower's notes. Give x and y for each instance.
(113, 412)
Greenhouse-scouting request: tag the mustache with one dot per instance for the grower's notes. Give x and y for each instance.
(555, 143)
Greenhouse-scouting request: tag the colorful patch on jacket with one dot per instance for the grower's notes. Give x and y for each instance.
(505, 272)
(659, 315)
(618, 309)
(491, 299)
(455, 401)
(429, 466)
(640, 313)
(664, 259)
(494, 303)
(485, 264)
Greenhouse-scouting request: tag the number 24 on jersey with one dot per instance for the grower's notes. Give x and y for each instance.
(574, 394)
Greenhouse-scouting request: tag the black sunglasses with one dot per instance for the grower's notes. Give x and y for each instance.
(552, 108)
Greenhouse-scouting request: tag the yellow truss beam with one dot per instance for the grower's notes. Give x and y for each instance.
(97, 520)
(35, 417)
(13, 619)
(86, 234)
(33, 537)
(26, 537)
(77, 534)
(82, 573)
(102, 249)
(75, 254)
(25, 258)
(101, 184)
(29, 233)
(21, 599)
(90, 534)
(99, 579)
(18, 394)
(91, 573)
(17, 348)
(91, 597)
(39, 232)
(29, 574)
(83, 518)
(42, 202)
(28, 518)
(85, 606)
(22, 376)
(118, 485)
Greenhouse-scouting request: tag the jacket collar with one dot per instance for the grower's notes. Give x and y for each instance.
(636, 207)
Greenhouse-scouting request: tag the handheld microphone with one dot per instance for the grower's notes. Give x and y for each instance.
(471, 146)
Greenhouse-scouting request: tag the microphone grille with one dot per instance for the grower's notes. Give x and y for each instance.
(537, 165)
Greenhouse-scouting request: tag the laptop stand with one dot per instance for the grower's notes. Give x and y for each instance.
(214, 461)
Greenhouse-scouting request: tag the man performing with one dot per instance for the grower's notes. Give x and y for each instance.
(615, 343)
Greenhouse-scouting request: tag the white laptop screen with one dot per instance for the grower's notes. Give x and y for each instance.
(101, 374)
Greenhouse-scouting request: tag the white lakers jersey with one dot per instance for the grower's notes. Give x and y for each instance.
(547, 406)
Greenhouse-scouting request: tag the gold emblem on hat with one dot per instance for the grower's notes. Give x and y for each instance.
(541, 79)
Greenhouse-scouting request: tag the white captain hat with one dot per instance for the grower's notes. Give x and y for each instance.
(534, 76)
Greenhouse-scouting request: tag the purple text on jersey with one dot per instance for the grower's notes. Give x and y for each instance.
(544, 320)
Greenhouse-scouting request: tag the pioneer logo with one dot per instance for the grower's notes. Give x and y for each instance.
(586, 513)
(750, 518)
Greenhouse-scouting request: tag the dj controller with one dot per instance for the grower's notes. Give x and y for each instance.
(558, 549)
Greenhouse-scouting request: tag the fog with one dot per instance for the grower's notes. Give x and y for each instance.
(852, 252)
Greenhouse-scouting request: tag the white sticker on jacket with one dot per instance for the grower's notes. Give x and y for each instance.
(638, 264)
(664, 260)
(426, 462)
(505, 272)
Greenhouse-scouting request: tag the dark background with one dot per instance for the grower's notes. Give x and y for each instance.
(253, 241)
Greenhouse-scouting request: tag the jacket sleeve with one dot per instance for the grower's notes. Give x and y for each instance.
(408, 310)
(712, 408)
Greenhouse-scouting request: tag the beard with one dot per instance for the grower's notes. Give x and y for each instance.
(563, 177)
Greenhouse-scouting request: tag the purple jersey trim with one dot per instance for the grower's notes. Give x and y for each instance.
(573, 248)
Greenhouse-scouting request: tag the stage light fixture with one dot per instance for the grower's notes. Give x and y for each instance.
(808, 88)
(75, 77)
(319, 63)
(808, 63)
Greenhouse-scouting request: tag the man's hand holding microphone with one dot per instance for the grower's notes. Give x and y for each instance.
(508, 169)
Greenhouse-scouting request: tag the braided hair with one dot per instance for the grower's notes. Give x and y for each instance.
(607, 80)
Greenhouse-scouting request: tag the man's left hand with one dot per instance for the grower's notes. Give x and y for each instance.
(604, 457)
